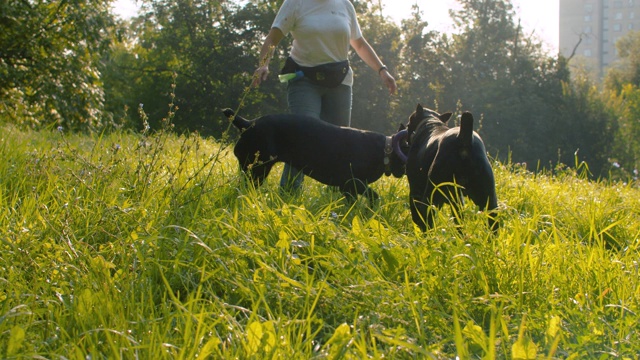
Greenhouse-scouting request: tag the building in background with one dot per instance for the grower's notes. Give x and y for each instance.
(589, 29)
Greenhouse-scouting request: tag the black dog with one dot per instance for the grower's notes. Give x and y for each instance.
(442, 161)
(338, 156)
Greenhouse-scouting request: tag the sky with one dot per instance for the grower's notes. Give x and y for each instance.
(538, 17)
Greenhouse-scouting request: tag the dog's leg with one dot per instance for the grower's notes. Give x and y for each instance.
(355, 187)
(420, 202)
(487, 201)
(419, 215)
(457, 203)
(349, 195)
(258, 173)
(291, 179)
(493, 221)
(483, 194)
(373, 197)
(446, 192)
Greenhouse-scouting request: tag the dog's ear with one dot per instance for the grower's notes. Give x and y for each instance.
(415, 118)
(445, 117)
(401, 127)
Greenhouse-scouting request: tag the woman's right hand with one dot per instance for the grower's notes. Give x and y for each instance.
(266, 51)
(260, 75)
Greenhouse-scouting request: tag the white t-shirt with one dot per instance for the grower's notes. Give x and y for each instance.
(321, 30)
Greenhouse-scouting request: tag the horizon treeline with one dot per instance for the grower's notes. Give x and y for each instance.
(74, 65)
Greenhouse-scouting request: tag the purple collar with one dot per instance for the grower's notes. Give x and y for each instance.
(392, 145)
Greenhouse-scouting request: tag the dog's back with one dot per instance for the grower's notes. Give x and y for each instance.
(330, 154)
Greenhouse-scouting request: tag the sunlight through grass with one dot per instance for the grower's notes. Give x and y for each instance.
(152, 246)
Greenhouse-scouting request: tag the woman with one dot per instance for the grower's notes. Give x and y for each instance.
(322, 32)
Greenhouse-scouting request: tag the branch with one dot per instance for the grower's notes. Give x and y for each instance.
(575, 48)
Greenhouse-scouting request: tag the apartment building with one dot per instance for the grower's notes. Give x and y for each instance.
(589, 29)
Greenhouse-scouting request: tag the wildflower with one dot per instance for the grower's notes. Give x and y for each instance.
(60, 128)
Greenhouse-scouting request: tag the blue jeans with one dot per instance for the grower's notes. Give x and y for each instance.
(329, 104)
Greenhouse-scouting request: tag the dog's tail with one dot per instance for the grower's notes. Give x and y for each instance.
(240, 122)
(465, 135)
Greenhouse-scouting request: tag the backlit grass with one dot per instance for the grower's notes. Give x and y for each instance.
(133, 246)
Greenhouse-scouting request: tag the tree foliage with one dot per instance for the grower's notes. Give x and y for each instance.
(622, 84)
(373, 108)
(425, 73)
(212, 47)
(49, 53)
(69, 63)
(522, 97)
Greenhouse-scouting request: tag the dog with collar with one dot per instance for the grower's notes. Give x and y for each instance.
(445, 163)
(348, 158)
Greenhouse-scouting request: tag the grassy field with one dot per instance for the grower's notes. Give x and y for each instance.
(150, 247)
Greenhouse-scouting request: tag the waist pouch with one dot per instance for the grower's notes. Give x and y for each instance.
(328, 75)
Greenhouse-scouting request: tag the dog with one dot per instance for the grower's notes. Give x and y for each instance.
(347, 158)
(445, 163)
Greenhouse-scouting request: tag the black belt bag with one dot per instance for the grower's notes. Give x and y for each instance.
(328, 75)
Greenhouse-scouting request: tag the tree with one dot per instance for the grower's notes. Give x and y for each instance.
(626, 70)
(213, 48)
(530, 109)
(586, 126)
(373, 108)
(627, 148)
(425, 69)
(48, 61)
(622, 82)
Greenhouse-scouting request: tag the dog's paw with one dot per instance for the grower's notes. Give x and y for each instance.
(228, 113)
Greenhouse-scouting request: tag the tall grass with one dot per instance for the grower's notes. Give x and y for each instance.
(151, 246)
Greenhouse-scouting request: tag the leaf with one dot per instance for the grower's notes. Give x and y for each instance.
(377, 227)
(389, 259)
(295, 259)
(474, 333)
(254, 335)
(554, 326)
(209, 348)
(283, 240)
(260, 337)
(84, 303)
(398, 338)
(524, 349)
(290, 281)
(269, 339)
(356, 228)
(16, 339)
(341, 335)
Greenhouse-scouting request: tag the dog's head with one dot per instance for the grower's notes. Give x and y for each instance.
(423, 114)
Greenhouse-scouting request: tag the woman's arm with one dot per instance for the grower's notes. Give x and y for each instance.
(369, 56)
(266, 52)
